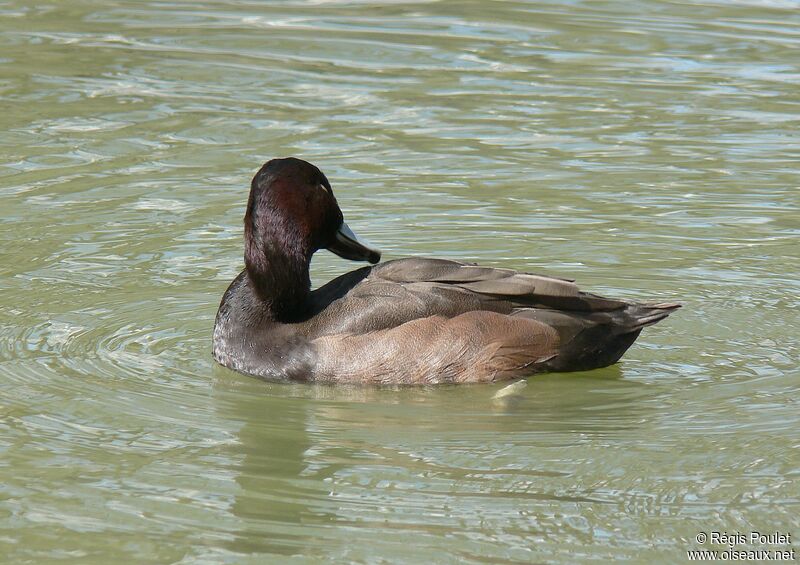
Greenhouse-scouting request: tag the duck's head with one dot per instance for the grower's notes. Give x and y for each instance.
(292, 213)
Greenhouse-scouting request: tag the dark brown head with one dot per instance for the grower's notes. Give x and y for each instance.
(291, 213)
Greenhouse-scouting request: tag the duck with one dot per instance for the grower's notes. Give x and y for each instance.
(410, 321)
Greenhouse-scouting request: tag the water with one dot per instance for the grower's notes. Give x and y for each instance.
(648, 149)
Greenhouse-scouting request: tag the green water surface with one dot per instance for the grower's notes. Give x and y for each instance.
(648, 149)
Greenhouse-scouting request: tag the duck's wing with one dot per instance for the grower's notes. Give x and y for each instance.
(432, 320)
(396, 292)
(549, 299)
(491, 285)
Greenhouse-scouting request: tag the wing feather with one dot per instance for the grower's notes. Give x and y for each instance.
(522, 289)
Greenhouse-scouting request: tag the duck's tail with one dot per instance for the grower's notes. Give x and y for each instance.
(643, 315)
(599, 339)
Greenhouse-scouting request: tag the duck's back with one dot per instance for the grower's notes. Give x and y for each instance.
(435, 321)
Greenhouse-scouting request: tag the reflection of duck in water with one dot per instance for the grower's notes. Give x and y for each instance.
(409, 321)
(314, 463)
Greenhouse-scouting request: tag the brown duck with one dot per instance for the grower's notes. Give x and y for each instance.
(409, 321)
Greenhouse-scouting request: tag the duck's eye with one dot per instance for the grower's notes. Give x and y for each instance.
(324, 188)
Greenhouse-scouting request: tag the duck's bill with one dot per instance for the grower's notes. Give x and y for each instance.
(349, 246)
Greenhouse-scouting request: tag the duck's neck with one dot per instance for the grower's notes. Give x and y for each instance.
(279, 279)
